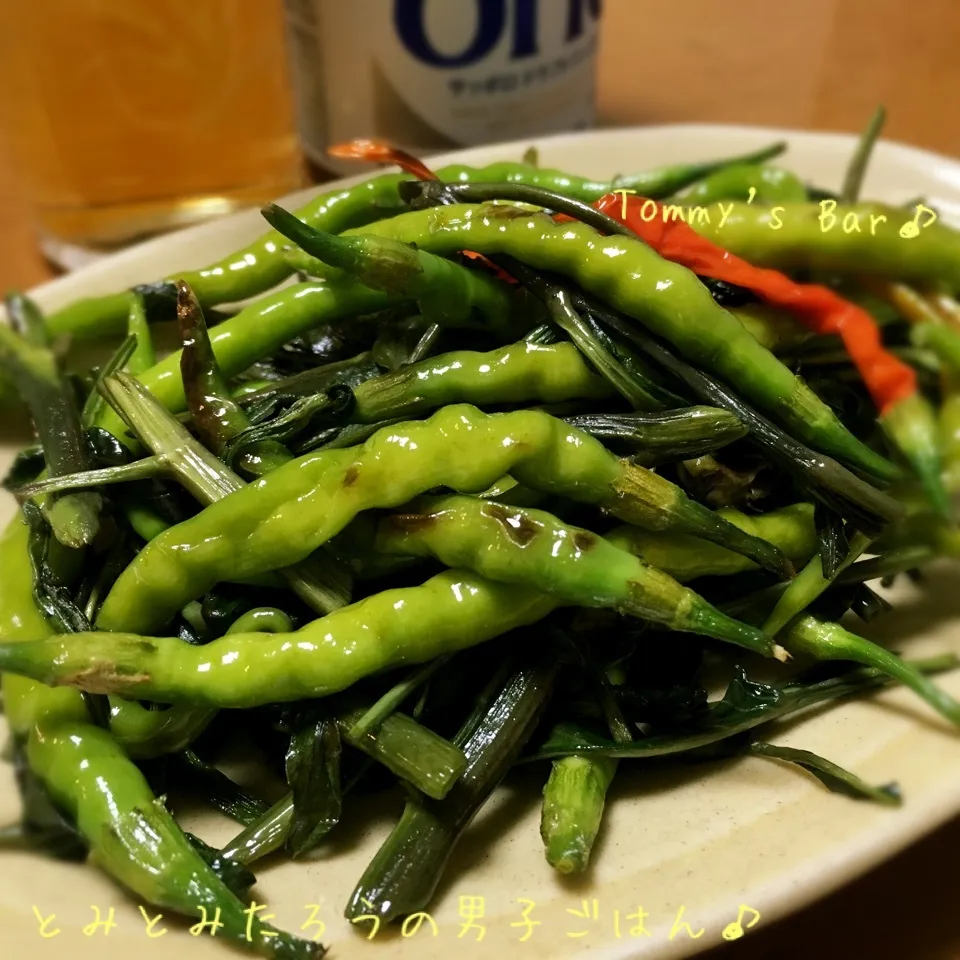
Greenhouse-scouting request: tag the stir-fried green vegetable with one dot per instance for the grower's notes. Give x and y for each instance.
(488, 490)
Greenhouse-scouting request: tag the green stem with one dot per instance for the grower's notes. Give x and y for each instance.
(573, 801)
(897, 561)
(638, 385)
(94, 402)
(74, 518)
(144, 356)
(809, 584)
(196, 468)
(853, 180)
(575, 796)
(405, 871)
(374, 717)
(829, 641)
(410, 750)
(145, 469)
(267, 834)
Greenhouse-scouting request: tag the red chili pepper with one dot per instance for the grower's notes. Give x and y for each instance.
(887, 378)
(819, 308)
(379, 151)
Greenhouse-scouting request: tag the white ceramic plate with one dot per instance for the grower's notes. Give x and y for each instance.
(705, 841)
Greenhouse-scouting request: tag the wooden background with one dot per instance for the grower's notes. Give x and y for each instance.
(814, 64)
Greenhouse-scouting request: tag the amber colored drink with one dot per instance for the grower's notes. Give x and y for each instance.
(127, 117)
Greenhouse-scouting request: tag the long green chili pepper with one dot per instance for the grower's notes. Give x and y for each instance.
(769, 184)
(265, 525)
(517, 373)
(132, 835)
(454, 610)
(665, 297)
(685, 558)
(257, 331)
(318, 581)
(446, 292)
(827, 480)
(886, 242)
(405, 871)
(262, 264)
(262, 620)
(33, 369)
(534, 548)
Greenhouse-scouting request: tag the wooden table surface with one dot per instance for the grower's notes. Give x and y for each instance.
(812, 64)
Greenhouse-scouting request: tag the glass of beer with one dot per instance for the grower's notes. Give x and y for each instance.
(124, 118)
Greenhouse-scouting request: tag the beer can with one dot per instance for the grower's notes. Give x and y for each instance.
(434, 75)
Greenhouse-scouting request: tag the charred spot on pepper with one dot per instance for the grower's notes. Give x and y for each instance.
(503, 211)
(518, 527)
(726, 294)
(105, 678)
(584, 541)
(410, 522)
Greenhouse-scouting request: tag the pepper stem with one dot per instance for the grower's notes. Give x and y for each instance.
(829, 641)
(376, 262)
(649, 500)
(809, 584)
